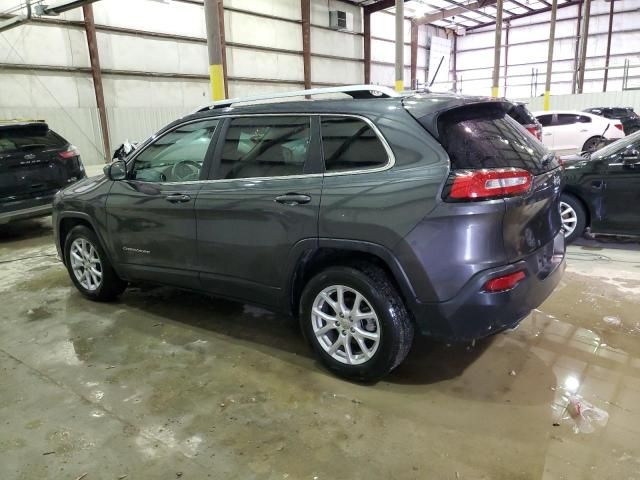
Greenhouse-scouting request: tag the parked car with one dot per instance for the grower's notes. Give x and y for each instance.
(629, 119)
(366, 218)
(524, 117)
(35, 162)
(569, 132)
(602, 190)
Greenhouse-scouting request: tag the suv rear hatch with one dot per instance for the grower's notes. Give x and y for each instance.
(34, 161)
(494, 158)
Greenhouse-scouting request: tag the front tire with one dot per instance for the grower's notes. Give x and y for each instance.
(573, 216)
(356, 322)
(88, 266)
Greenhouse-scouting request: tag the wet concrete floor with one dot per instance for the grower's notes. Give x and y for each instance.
(165, 384)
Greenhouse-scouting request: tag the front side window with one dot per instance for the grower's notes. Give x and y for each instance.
(545, 120)
(176, 156)
(351, 144)
(265, 146)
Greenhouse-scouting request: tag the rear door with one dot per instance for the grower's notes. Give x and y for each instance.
(151, 217)
(570, 132)
(260, 206)
(30, 161)
(482, 136)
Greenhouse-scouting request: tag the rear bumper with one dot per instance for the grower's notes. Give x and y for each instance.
(24, 209)
(474, 313)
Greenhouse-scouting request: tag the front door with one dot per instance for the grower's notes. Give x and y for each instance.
(621, 194)
(260, 207)
(150, 216)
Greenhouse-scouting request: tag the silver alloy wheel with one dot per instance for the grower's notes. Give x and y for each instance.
(569, 218)
(345, 325)
(86, 264)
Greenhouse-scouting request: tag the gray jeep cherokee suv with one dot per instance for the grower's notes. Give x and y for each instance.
(367, 219)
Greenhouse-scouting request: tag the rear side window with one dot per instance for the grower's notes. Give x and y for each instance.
(351, 144)
(570, 119)
(483, 136)
(521, 115)
(13, 139)
(265, 147)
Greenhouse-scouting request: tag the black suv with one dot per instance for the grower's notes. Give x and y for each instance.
(35, 162)
(366, 218)
(629, 119)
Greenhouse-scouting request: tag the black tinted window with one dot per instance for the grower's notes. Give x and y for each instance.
(567, 119)
(36, 137)
(521, 115)
(265, 147)
(485, 137)
(176, 156)
(583, 119)
(545, 120)
(351, 144)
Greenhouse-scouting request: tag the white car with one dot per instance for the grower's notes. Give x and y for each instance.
(568, 132)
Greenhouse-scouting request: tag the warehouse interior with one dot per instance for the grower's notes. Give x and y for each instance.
(167, 381)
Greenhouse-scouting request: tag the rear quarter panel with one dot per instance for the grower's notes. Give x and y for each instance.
(382, 207)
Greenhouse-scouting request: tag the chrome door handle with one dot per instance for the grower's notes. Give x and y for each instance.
(293, 199)
(178, 198)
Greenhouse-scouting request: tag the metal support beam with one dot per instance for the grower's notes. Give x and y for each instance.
(496, 55)
(455, 62)
(305, 6)
(96, 74)
(606, 60)
(214, 47)
(367, 45)
(62, 6)
(506, 53)
(552, 39)
(414, 55)
(399, 45)
(583, 45)
(223, 46)
(577, 50)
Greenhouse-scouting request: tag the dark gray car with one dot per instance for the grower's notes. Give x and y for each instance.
(368, 219)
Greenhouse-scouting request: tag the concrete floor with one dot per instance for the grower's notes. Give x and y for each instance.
(166, 384)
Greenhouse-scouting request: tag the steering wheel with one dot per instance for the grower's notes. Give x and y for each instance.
(185, 170)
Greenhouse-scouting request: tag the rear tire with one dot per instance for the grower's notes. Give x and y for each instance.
(374, 333)
(89, 267)
(573, 216)
(592, 144)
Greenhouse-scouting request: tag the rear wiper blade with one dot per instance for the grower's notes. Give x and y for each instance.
(32, 146)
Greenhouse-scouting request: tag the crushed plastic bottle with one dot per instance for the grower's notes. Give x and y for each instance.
(586, 416)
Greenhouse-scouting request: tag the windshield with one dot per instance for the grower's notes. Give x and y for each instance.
(31, 137)
(617, 146)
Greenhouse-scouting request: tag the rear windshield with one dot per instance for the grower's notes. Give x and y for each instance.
(483, 136)
(15, 139)
(521, 115)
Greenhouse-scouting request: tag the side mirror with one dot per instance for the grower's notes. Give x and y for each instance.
(116, 170)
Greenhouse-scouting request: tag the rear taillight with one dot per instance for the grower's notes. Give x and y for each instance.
(487, 183)
(70, 152)
(619, 127)
(535, 131)
(505, 282)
